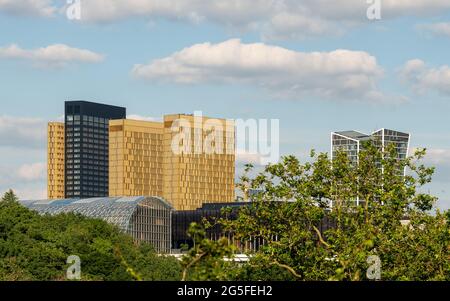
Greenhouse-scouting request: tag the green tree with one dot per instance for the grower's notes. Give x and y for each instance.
(9, 196)
(35, 247)
(207, 260)
(311, 240)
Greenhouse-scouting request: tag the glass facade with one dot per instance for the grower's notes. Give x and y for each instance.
(181, 220)
(146, 219)
(345, 144)
(87, 148)
(351, 142)
(399, 139)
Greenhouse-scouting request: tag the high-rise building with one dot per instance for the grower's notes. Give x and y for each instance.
(86, 147)
(149, 158)
(352, 142)
(55, 160)
(401, 141)
(136, 158)
(349, 142)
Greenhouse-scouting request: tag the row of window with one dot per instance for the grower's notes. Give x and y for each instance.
(87, 145)
(87, 119)
(100, 166)
(86, 172)
(78, 139)
(91, 124)
(90, 179)
(76, 185)
(77, 192)
(100, 152)
(85, 156)
(86, 129)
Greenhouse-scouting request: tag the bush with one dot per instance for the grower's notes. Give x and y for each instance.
(35, 247)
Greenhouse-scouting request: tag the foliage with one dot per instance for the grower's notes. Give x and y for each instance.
(205, 261)
(9, 196)
(34, 247)
(314, 229)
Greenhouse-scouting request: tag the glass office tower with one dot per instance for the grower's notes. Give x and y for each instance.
(87, 147)
(351, 142)
(399, 139)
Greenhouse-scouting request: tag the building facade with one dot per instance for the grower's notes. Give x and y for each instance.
(147, 219)
(212, 212)
(86, 147)
(352, 142)
(401, 141)
(135, 158)
(171, 159)
(55, 160)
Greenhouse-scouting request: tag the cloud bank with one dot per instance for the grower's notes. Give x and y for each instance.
(425, 79)
(274, 19)
(341, 74)
(42, 8)
(21, 132)
(57, 55)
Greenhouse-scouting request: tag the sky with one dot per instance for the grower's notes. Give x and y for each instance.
(315, 65)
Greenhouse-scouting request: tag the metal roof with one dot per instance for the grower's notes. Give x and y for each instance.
(114, 210)
(354, 135)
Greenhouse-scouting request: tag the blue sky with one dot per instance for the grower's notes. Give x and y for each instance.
(242, 59)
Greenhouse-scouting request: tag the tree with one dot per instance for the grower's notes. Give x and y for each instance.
(206, 260)
(35, 247)
(10, 196)
(314, 228)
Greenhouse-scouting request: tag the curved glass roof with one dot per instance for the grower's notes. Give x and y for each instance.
(114, 210)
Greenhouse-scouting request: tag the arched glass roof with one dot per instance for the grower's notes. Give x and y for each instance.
(114, 210)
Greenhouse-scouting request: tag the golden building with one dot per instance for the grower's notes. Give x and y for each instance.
(188, 160)
(55, 160)
(135, 158)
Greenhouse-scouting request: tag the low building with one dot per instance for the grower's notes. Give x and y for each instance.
(182, 219)
(146, 219)
(212, 212)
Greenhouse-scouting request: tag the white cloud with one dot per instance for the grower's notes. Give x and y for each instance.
(28, 193)
(339, 74)
(57, 55)
(32, 172)
(423, 78)
(27, 180)
(43, 8)
(275, 19)
(438, 29)
(143, 118)
(22, 132)
(243, 158)
(439, 158)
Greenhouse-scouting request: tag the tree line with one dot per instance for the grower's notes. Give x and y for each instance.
(385, 227)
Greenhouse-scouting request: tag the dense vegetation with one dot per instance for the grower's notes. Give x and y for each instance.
(34, 247)
(395, 223)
